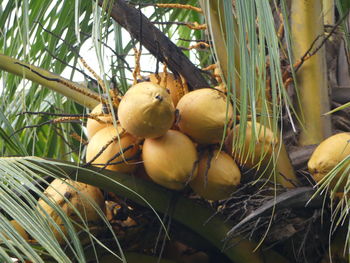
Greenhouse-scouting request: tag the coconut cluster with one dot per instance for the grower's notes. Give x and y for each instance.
(170, 156)
(160, 132)
(178, 134)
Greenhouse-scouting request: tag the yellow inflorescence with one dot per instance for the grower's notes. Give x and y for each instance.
(189, 7)
(200, 45)
(196, 26)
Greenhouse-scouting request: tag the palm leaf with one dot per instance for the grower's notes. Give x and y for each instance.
(18, 179)
(251, 47)
(144, 193)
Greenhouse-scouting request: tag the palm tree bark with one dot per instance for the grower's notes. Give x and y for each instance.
(328, 12)
(307, 26)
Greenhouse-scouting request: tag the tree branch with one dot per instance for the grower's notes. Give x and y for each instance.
(155, 41)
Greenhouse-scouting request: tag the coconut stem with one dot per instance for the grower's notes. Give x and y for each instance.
(307, 25)
(80, 94)
(165, 50)
(214, 14)
(286, 175)
(328, 12)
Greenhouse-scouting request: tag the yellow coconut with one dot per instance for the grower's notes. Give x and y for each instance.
(19, 229)
(93, 126)
(327, 155)
(124, 150)
(218, 180)
(202, 115)
(146, 110)
(177, 87)
(260, 153)
(170, 160)
(72, 196)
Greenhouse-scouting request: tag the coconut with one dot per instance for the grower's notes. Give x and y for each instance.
(93, 126)
(19, 229)
(177, 87)
(146, 110)
(202, 115)
(72, 197)
(327, 155)
(126, 149)
(260, 154)
(170, 160)
(217, 180)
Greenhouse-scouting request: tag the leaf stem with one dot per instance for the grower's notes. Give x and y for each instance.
(80, 94)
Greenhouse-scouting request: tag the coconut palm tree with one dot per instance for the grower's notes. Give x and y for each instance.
(271, 60)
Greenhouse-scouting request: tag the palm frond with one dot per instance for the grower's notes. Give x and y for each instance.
(19, 193)
(246, 33)
(142, 192)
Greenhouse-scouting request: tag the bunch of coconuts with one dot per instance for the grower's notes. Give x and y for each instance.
(178, 133)
(169, 125)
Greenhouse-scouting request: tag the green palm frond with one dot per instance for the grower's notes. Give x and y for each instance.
(336, 185)
(57, 46)
(247, 65)
(20, 172)
(19, 193)
(27, 37)
(246, 33)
